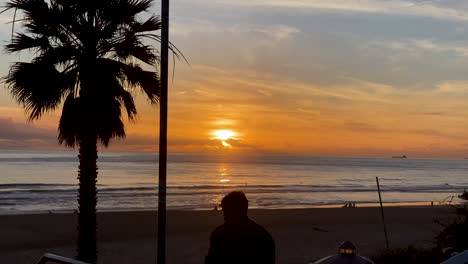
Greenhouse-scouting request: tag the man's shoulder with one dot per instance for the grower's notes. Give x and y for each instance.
(259, 229)
(249, 226)
(219, 230)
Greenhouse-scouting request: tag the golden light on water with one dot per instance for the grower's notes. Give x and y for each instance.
(223, 174)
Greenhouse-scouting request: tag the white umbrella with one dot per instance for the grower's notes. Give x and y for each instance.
(461, 258)
(346, 255)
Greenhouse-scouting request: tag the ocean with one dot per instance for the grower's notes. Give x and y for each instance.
(41, 181)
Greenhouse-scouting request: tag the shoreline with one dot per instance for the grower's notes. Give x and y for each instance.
(327, 206)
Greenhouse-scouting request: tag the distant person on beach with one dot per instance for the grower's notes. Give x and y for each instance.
(239, 239)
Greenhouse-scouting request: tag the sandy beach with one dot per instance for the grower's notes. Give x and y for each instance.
(300, 234)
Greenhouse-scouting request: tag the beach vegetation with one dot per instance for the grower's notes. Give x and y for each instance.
(408, 255)
(451, 239)
(455, 232)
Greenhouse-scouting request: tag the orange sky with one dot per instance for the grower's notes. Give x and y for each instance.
(328, 78)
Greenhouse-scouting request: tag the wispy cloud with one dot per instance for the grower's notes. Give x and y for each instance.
(194, 26)
(274, 88)
(19, 135)
(276, 32)
(433, 9)
(454, 87)
(415, 47)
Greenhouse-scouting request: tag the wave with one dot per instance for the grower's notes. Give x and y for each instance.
(276, 160)
(209, 189)
(32, 185)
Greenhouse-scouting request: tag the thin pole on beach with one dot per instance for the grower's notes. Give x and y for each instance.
(161, 250)
(382, 212)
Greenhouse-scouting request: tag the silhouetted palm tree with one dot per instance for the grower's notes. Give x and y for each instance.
(86, 56)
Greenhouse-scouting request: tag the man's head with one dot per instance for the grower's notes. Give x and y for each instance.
(235, 206)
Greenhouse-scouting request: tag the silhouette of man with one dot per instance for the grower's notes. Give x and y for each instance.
(239, 239)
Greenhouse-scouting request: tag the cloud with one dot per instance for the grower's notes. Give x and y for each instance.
(240, 145)
(273, 88)
(416, 47)
(17, 135)
(195, 26)
(433, 113)
(431, 9)
(136, 142)
(25, 136)
(264, 92)
(275, 32)
(453, 87)
(376, 130)
(209, 145)
(362, 127)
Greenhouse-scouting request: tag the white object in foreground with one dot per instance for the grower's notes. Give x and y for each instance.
(461, 258)
(346, 255)
(51, 258)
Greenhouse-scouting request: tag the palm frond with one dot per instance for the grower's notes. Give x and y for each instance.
(120, 13)
(60, 34)
(137, 6)
(22, 42)
(131, 46)
(144, 53)
(126, 99)
(175, 51)
(91, 115)
(110, 123)
(146, 80)
(62, 55)
(69, 122)
(27, 6)
(38, 87)
(151, 24)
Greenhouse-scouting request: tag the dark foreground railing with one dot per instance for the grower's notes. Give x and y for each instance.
(51, 258)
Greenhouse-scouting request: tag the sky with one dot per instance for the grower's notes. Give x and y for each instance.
(318, 77)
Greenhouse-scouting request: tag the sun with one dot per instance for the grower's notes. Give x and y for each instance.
(225, 144)
(224, 134)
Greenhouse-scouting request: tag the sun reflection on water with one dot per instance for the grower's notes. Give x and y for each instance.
(222, 170)
(223, 174)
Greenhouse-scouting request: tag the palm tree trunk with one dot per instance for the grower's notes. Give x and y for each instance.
(87, 199)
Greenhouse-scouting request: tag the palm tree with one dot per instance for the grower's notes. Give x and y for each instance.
(87, 56)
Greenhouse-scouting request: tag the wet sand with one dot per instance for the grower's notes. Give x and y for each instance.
(300, 234)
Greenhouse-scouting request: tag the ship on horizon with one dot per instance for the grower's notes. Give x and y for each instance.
(399, 157)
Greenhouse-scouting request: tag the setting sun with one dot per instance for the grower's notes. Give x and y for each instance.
(224, 134)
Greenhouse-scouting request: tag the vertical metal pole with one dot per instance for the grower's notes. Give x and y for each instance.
(382, 212)
(161, 259)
